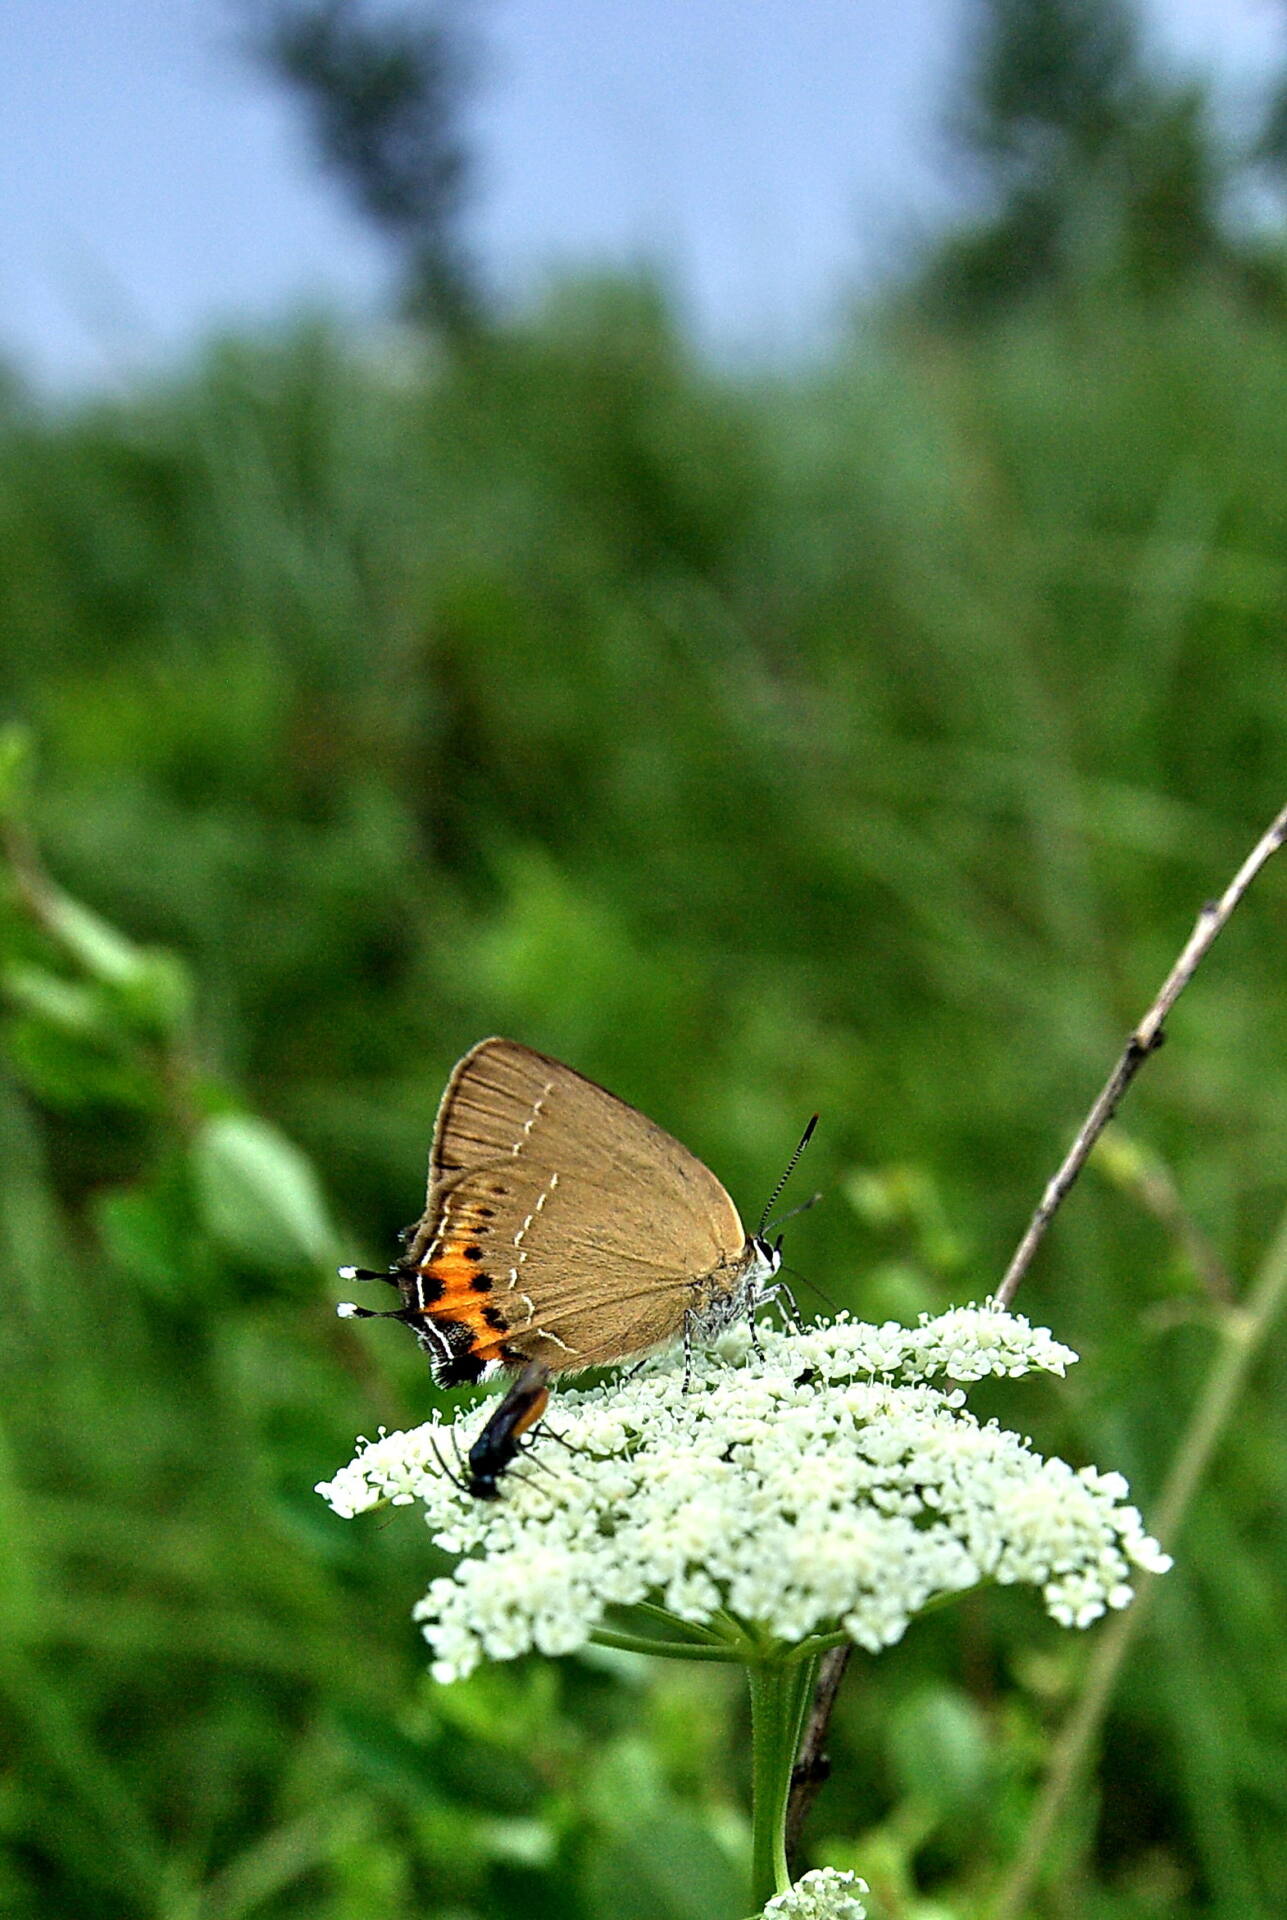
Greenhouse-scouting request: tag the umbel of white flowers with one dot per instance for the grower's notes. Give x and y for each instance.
(824, 1894)
(832, 1483)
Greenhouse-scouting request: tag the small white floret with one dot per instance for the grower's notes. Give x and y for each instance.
(824, 1894)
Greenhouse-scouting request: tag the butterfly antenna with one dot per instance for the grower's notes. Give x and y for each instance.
(803, 1207)
(805, 1138)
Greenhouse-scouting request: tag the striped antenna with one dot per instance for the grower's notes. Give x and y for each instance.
(805, 1138)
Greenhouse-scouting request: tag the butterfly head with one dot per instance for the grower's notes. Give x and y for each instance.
(766, 1258)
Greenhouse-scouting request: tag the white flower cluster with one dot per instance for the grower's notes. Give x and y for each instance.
(821, 1485)
(823, 1894)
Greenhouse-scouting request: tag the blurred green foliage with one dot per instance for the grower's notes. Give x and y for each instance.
(863, 739)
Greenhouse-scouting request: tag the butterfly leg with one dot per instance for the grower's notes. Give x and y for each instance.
(781, 1295)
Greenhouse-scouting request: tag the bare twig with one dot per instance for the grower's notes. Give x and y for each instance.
(811, 1765)
(1146, 1038)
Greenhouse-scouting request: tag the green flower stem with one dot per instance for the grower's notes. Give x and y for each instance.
(668, 1649)
(780, 1691)
(717, 1636)
(819, 1643)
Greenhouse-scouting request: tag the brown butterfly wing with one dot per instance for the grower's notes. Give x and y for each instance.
(592, 1222)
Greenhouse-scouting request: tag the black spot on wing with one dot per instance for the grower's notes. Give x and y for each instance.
(460, 1371)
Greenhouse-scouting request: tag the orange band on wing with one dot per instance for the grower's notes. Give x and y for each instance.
(457, 1291)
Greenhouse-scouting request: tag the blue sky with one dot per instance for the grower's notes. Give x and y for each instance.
(768, 154)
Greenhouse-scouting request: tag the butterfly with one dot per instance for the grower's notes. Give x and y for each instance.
(564, 1229)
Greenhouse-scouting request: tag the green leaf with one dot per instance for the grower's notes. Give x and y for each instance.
(939, 1749)
(104, 953)
(157, 995)
(16, 763)
(150, 1233)
(73, 1073)
(382, 1752)
(669, 1868)
(653, 1858)
(258, 1195)
(19, 1567)
(66, 1005)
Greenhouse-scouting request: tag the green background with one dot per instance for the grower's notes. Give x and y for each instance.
(861, 739)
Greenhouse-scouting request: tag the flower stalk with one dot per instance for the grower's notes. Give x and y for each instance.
(780, 1693)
